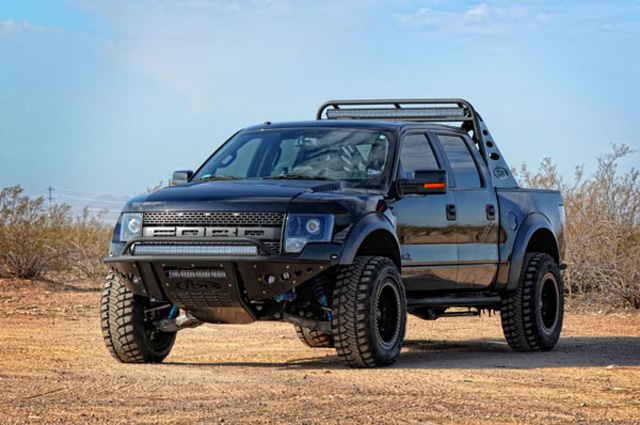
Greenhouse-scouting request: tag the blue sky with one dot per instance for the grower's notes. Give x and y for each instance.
(104, 96)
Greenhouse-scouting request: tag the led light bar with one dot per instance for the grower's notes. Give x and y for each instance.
(422, 114)
(196, 273)
(199, 249)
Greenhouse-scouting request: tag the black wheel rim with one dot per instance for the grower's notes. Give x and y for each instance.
(388, 314)
(549, 302)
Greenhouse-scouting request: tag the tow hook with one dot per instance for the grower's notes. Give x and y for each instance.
(179, 323)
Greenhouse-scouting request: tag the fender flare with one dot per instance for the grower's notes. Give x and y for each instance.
(531, 224)
(361, 230)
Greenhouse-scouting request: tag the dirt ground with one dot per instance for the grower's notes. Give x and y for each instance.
(55, 369)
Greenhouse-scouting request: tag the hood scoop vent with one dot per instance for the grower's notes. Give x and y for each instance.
(327, 187)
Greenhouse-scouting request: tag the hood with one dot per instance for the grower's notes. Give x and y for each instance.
(250, 195)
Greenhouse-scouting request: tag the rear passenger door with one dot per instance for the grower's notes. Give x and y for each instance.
(427, 235)
(477, 212)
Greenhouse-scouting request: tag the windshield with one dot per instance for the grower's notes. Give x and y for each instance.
(357, 157)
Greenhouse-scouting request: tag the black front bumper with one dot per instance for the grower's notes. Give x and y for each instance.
(207, 283)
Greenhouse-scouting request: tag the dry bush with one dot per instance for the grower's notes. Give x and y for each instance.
(34, 242)
(603, 228)
(89, 243)
(28, 247)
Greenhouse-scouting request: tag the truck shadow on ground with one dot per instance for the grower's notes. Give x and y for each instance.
(488, 353)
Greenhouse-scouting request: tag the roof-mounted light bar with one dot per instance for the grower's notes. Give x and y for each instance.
(402, 114)
(421, 110)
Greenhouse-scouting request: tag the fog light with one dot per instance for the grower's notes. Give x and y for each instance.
(295, 245)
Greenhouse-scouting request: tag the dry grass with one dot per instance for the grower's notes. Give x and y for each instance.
(34, 243)
(603, 228)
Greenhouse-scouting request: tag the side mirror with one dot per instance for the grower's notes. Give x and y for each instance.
(424, 182)
(180, 177)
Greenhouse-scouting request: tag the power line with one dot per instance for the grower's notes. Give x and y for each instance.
(50, 189)
(94, 200)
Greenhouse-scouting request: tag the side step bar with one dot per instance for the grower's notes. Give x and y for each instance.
(454, 302)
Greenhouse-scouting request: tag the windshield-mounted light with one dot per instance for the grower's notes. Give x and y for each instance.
(302, 229)
(131, 226)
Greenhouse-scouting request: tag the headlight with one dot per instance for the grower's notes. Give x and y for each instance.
(302, 229)
(131, 226)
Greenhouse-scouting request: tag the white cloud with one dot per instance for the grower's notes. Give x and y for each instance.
(476, 14)
(15, 26)
(481, 19)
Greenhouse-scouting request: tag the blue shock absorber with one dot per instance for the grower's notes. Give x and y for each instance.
(320, 292)
(172, 312)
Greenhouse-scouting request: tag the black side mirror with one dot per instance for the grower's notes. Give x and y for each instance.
(180, 177)
(424, 182)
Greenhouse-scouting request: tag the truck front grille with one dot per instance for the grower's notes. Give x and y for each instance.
(202, 225)
(213, 218)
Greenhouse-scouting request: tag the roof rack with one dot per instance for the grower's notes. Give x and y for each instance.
(426, 110)
(414, 110)
(417, 110)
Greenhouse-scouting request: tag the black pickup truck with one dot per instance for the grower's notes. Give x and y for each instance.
(340, 226)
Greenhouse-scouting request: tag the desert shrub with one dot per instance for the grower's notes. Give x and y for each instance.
(89, 244)
(603, 227)
(29, 245)
(34, 241)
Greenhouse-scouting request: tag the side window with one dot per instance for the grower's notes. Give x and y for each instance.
(464, 167)
(417, 155)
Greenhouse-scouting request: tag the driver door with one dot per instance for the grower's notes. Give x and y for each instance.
(426, 224)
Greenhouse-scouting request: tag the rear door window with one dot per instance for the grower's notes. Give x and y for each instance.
(465, 171)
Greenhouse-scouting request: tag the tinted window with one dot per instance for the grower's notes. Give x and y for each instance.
(417, 155)
(237, 164)
(358, 157)
(464, 168)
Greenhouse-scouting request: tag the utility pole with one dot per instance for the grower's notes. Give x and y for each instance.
(50, 189)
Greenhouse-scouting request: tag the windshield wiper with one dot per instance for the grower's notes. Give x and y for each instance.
(212, 177)
(298, 177)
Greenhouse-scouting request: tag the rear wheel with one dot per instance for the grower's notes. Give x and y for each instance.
(128, 327)
(313, 338)
(369, 312)
(532, 315)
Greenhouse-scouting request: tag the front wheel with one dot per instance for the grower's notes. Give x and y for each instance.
(128, 325)
(532, 315)
(314, 338)
(369, 312)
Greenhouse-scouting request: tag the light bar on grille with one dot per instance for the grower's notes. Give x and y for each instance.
(435, 114)
(199, 249)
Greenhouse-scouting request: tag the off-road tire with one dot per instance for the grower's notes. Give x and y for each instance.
(369, 312)
(128, 336)
(314, 338)
(532, 314)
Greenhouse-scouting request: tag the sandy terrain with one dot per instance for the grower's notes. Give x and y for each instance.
(55, 369)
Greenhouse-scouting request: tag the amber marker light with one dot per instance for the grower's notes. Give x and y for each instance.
(434, 185)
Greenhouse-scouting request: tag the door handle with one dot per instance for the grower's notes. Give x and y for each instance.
(451, 212)
(491, 212)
